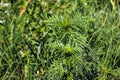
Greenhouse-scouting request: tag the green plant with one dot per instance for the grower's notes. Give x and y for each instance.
(59, 40)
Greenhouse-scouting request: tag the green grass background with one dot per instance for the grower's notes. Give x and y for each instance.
(60, 40)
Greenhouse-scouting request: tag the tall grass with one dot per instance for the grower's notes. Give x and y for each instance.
(60, 40)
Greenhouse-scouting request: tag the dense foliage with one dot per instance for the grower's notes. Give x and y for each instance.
(59, 40)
